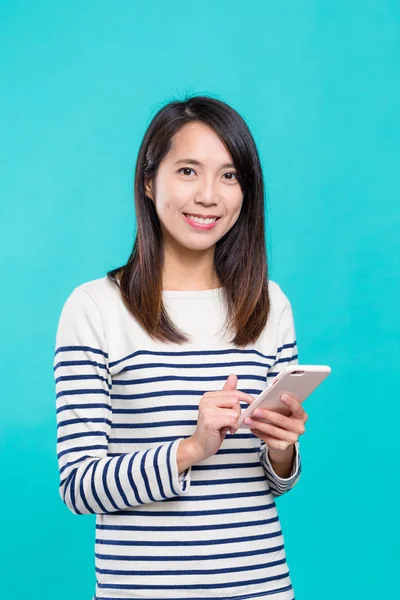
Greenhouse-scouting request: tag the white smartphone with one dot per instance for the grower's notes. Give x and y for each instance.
(301, 380)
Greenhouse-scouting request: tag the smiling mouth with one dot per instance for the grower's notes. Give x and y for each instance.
(201, 219)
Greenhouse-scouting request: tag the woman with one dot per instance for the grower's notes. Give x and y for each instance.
(154, 363)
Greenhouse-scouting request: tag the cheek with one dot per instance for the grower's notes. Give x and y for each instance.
(236, 205)
(171, 196)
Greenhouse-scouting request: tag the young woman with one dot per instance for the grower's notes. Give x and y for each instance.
(154, 363)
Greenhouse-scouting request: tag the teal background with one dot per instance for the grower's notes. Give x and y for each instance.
(318, 83)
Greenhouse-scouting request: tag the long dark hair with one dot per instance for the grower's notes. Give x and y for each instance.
(240, 258)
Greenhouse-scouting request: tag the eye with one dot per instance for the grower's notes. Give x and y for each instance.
(185, 169)
(230, 178)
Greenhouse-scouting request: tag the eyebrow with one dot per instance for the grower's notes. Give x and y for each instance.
(193, 161)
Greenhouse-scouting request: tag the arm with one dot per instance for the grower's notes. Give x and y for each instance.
(282, 469)
(90, 481)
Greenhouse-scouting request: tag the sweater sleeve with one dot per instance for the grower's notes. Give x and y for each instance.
(286, 354)
(90, 481)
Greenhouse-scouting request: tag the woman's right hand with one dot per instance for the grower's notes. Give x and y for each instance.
(218, 413)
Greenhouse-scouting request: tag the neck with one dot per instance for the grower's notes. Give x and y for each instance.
(185, 269)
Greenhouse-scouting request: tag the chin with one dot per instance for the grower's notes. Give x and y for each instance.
(199, 247)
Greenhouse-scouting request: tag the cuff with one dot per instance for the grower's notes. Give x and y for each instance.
(180, 484)
(282, 484)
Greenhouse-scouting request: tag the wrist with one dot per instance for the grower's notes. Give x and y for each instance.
(187, 454)
(281, 456)
(282, 461)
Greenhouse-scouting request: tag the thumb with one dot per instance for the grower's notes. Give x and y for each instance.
(231, 382)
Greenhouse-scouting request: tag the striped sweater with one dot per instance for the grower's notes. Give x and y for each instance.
(124, 403)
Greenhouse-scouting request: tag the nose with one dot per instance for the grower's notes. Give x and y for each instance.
(207, 194)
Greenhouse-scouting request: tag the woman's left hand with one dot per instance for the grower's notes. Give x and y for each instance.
(280, 432)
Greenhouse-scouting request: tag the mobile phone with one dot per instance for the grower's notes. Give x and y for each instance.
(301, 380)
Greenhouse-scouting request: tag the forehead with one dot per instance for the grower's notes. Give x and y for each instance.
(196, 140)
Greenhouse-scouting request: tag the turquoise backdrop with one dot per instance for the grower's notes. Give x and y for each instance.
(319, 85)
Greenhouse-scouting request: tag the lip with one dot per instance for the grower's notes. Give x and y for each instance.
(203, 216)
(201, 225)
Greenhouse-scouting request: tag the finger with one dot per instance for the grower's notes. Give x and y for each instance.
(237, 393)
(245, 397)
(224, 431)
(219, 402)
(294, 405)
(289, 423)
(276, 432)
(218, 420)
(275, 444)
(271, 441)
(230, 383)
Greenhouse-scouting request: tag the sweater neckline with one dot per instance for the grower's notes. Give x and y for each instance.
(214, 292)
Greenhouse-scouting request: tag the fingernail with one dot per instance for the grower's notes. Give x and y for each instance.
(285, 398)
(257, 413)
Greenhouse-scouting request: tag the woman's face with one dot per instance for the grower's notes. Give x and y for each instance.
(196, 177)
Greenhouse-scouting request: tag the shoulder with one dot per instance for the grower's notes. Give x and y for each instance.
(98, 288)
(91, 297)
(96, 291)
(278, 298)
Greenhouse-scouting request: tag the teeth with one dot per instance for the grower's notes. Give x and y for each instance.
(200, 220)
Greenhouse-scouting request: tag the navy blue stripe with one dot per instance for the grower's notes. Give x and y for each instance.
(219, 496)
(225, 466)
(231, 451)
(185, 543)
(93, 486)
(144, 476)
(72, 492)
(229, 481)
(196, 513)
(82, 392)
(82, 407)
(65, 484)
(237, 451)
(82, 377)
(118, 481)
(261, 566)
(185, 558)
(105, 485)
(168, 438)
(157, 471)
(197, 586)
(82, 490)
(192, 353)
(82, 449)
(130, 478)
(169, 528)
(74, 436)
(169, 393)
(152, 424)
(286, 360)
(155, 409)
(273, 489)
(196, 366)
(81, 421)
(145, 440)
(170, 472)
(79, 363)
(73, 462)
(65, 487)
(80, 348)
(285, 346)
(197, 378)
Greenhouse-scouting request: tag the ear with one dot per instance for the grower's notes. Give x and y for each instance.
(148, 187)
